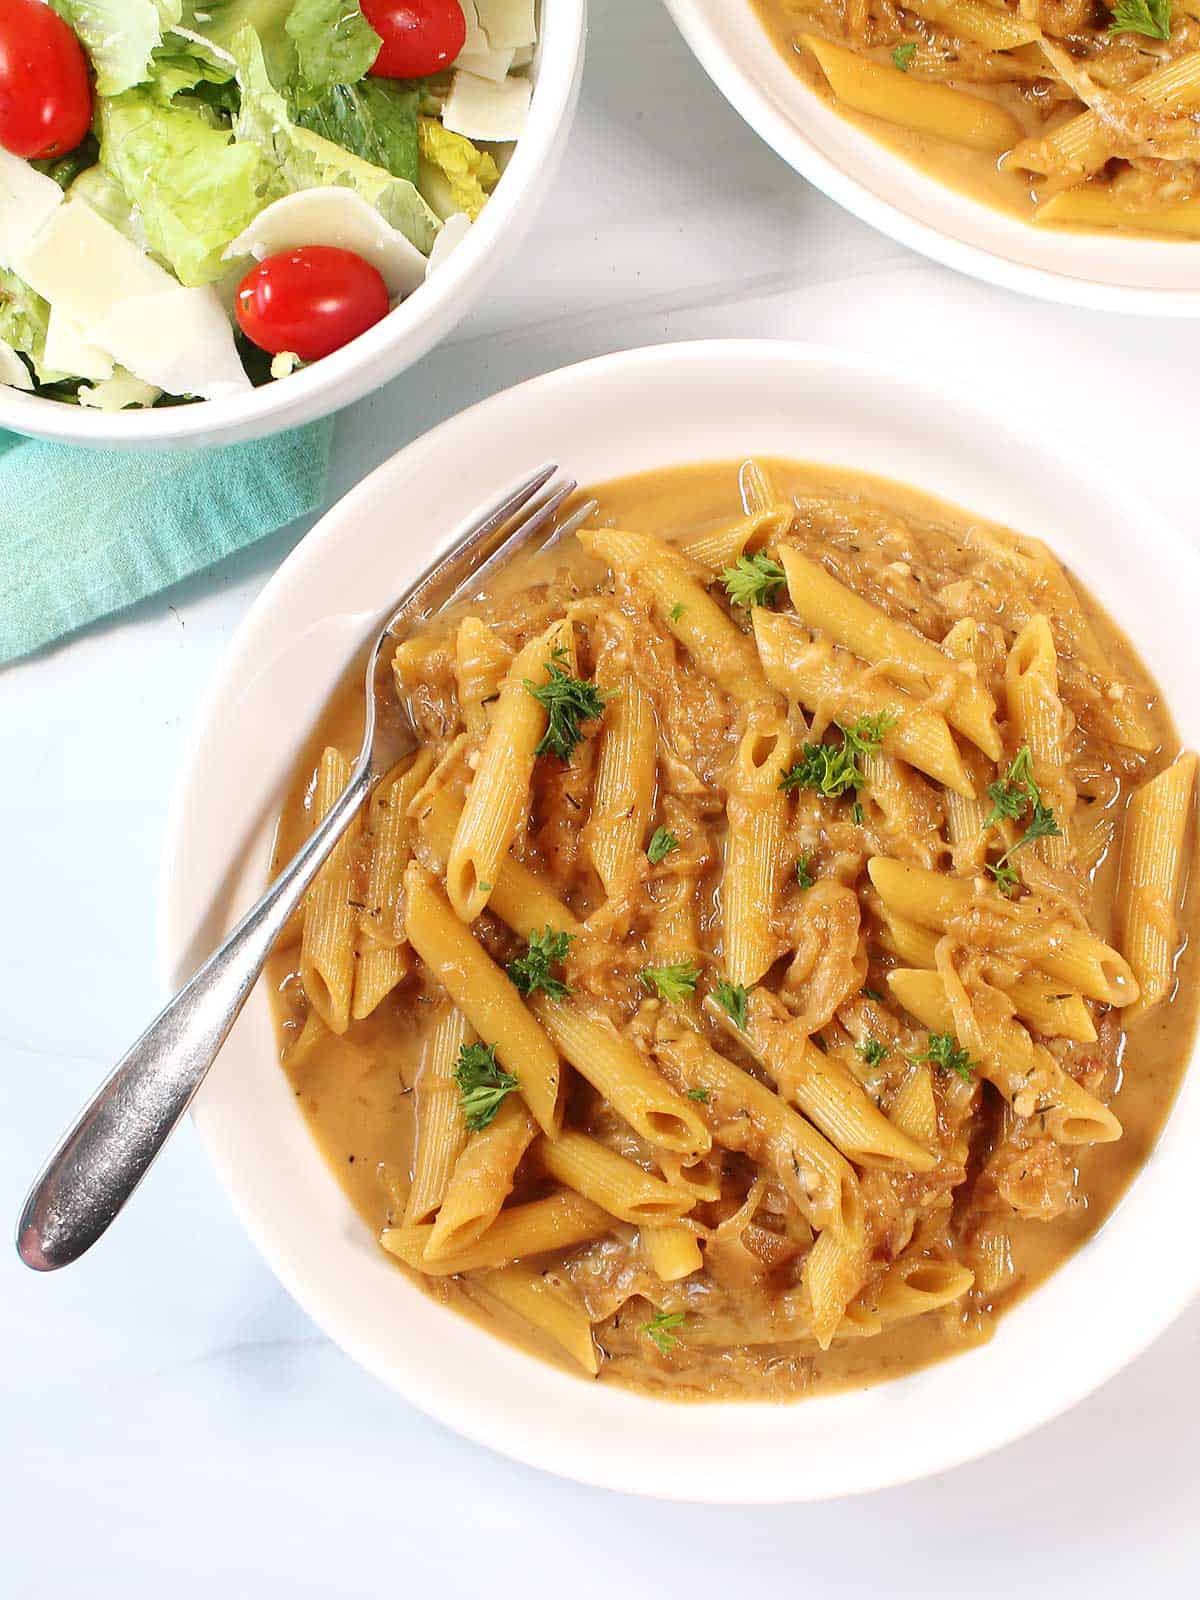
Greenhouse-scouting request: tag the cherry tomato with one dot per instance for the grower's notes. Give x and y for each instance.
(311, 300)
(419, 36)
(45, 94)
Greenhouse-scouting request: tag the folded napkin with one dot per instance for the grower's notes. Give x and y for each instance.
(84, 533)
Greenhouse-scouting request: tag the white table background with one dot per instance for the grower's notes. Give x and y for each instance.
(170, 1423)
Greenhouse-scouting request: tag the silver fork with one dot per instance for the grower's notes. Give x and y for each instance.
(109, 1150)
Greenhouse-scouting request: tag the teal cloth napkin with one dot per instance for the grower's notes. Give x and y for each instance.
(84, 533)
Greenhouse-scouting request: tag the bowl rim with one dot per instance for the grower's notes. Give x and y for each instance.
(343, 1327)
(396, 343)
(787, 138)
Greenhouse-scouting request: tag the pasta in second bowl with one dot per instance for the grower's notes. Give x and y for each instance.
(627, 415)
(1044, 153)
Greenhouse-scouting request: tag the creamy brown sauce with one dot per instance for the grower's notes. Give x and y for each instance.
(355, 1091)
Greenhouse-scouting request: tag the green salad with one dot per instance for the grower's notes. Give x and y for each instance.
(198, 196)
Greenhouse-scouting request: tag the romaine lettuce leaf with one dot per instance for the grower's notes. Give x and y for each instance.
(24, 318)
(120, 36)
(335, 44)
(455, 176)
(374, 119)
(194, 187)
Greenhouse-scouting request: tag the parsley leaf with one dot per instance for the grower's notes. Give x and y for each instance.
(481, 1083)
(532, 970)
(866, 735)
(1012, 795)
(567, 702)
(733, 997)
(698, 1094)
(675, 982)
(804, 873)
(902, 56)
(857, 813)
(1149, 17)
(662, 842)
(873, 1051)
(943, 1051)
(1041, 825)
(660, 1329)
(677, 611)
(752, 580)
(831, 770)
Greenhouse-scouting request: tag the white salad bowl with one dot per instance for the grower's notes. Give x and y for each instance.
(605, 418)
(405, 334)
(1104, 272)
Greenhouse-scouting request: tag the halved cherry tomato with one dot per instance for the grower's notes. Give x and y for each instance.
(311, 300)
(45, 93)
(419, 36)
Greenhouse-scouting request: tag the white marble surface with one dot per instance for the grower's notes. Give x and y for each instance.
(170, 1424)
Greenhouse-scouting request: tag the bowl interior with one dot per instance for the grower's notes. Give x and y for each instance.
(1102, 270)
(403, 336)
(605, 418)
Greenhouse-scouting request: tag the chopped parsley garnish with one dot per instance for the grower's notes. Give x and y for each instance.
(698, 1094)
(660, 1329)
(567, 702)
(1149, 17)
(675, 982)
(872, 994)
(752, 580)
(732, 997)
(1012, 796)
(873, 1051)
(531, 971)
(804, 874)
(662, 842)
(943, 1051)
(857, 813)
(677, 611)
(481, 1083)
(833, 770)
(902, 56)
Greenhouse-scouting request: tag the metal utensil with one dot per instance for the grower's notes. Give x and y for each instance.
(109, 1150)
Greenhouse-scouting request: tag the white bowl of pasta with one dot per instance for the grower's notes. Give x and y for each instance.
(685, 1206)
(935, 133)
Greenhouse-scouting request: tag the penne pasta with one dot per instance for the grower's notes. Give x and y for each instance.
(620, 1186)
(327, 944)
(1152, 871)
(441, 1128)
(623, 792)
(548, 1304)
(757, 817)
(557, 1222)
(481, 1181)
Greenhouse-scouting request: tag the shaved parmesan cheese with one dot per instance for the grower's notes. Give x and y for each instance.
(27, 198)
(13, 370)
(490, 64)
(338, 217)
(476, 40)
(507, 23)
(285, 363)
(493, 112)
(522, 57)
(178, 339)
(454, 230)
(84, 266)
(118, 392)
(68, 350)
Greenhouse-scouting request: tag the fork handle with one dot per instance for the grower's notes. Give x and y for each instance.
(109, 1150)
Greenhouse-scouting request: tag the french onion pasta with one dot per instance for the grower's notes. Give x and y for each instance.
(774, 960)
(1076, 113)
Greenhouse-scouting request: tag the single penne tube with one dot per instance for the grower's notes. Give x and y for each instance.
(1098, 206)
(1037, 720)
(929, 108)
(481, 663)
(914, 1108)
(441, 1128)
(916, 1284)
(907, 658)
(743, 1114)
(623, 791)
(483, 993)
(1081, 146)
(834, 1271)
(548, 1303)
(991, 26)
(624, 1189)
(673, 1252)
(327, 944)
(1153, 857)
(756, 813)
(383, 956)
(826, 1091)
(482, 1180)
(1078, 960)
(499, 793)
(1057, 1012)
(616, 1068)
(1026, 1074)
(721, 547)
(822, 678)
(718, 647)
(559, 1222)
(910, 811)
